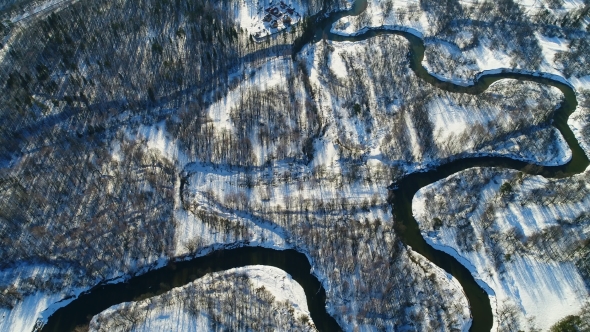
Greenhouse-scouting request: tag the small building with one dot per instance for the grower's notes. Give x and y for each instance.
(283, 5)
(275, 11)
(274, 24)
(287, 19)
(267, 18)
(267, 9)
(290, 11)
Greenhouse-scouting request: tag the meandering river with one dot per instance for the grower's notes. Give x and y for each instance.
(177, 274)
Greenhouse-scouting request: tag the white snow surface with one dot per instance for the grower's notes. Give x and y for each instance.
(451, 288)
(24, 315)
(34, 309)
(545, 290)
(578, 121)
(250, 14)
(482, 60)
(558, 288)
(219, 181)
(565, 295)
(175, 318)
(377, 14)
(472, 63)
(45, 7)
(268, 75)
(449, 120)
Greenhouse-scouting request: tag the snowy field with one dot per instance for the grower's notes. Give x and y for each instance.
(579, 121)
(463, 67)
(408, 13)
(174, 311)
(543, 288)
(462, 126)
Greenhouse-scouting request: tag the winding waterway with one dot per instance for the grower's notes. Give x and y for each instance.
(155, 282)
(158, 281)
(405, 189)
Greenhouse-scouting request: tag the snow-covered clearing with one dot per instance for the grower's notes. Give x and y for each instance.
(383, 14)
(250, 15)
(462, 125)
(579, 121)
(291, 203)
(179, 310)
(462, 66)
(24, 316)
(409, 14)
(41, 304)
(497, 237)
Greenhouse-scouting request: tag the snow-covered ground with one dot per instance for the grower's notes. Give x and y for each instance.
(266, 289)
(335, 205)
(496, 234)
(287, 203)
(272, 192)
(250, 15)
(579, 121)
(462, 125)
(452, 121)
(463, 67)
(44, 7)
(384, 14)
(26, 314)
(409, 14)
(529, 283)
(38, 306)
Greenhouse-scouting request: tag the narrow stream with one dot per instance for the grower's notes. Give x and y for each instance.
(155, 282)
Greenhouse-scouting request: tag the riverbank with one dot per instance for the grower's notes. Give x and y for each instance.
(515, 241)
(253, 297)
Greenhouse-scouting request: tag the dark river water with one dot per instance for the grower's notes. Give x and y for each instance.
(158, 281)
(155, 282)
